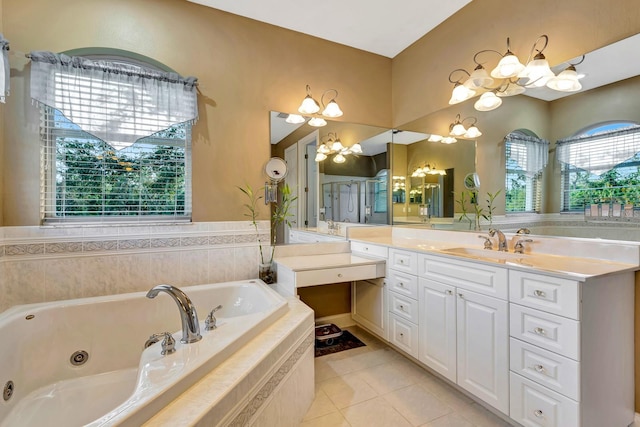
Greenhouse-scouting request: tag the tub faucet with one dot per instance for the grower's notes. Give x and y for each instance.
(502, 241)
(188, 314)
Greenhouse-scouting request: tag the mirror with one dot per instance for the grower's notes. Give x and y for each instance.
(472, 181)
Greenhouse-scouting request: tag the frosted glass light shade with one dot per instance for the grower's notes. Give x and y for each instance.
(448, 140)
(458, 130)
(566, 81)
(487, 102)
(337, 146)
(479, 78)
(356, 148)
(332, 110)
(294, 119)
(309, 105)
(322, 148)
(434, 138)
(472, 132)
(509, 66)
(461, 93)
(538, 72)
(320, 157)
(339, 158)
(317, 122)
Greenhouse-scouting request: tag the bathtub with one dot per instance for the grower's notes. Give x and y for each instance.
(121, 383)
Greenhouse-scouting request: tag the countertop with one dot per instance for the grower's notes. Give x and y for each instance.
(324, 261)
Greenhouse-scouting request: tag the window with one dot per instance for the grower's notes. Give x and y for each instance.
(116, 140)
(600, 165)
(526, 157)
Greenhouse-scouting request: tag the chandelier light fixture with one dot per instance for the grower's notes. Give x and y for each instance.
(334, 146)
(422, 171)
(310, 107)
(511, 77)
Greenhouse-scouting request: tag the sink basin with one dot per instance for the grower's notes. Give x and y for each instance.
(484, 254)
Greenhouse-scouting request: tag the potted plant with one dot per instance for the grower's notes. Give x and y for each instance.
(280, 214)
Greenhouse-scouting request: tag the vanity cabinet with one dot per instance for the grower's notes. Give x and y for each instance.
(463, 333)
(301, 236)
(565, 337)
(402, 281)
(369, 297)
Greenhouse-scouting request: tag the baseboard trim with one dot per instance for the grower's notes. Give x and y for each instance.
(343, 320)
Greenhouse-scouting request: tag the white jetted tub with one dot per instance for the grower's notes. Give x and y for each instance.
(120, 381)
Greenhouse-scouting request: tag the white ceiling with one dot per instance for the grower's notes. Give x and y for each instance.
(380, 26)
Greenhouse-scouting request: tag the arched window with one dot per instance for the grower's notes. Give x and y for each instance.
(526, 156)
(116, 138)
(600, 164)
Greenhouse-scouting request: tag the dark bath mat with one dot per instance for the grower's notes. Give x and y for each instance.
(344, 342)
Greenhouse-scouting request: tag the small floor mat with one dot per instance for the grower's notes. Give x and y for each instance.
(344, 342)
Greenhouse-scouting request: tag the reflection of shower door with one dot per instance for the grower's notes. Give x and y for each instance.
(327, 202)
(375, 199)
(347, 197)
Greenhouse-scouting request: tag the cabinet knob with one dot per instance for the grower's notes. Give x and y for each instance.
(401, 261)
(401, 307)
(401, 284)
(539, 331)
(538, 413)
(460, 295)
(401, 334)
(449, 292)
(339, 274)
(539, 293)
(539, 368)
(366, 248)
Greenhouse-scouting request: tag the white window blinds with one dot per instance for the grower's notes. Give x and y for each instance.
(115, 146)
(526, 157)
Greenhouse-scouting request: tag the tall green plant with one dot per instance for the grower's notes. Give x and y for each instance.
(280, 214)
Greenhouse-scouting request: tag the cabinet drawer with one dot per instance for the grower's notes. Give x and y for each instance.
(367, 249)
(556, 372)
(335, 275)
(478, 277)
(551, 294)
(403, 334)
(551, 332)
(403, 283)
(403, 307)
(535, 405)
(404, 261)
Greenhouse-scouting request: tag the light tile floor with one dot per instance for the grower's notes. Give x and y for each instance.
(375, 386)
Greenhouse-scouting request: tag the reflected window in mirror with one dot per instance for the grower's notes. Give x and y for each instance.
(601, 165)
(526, 157)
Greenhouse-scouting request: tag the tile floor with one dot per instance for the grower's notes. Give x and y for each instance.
(375, 386)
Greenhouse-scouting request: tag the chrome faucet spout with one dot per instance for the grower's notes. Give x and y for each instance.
(502, 240)
(188, 314)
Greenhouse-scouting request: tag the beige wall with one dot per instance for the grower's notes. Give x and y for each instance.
(245, 69)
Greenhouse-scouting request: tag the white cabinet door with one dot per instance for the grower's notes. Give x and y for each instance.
(437, 329)
(483, 347)
(369, 305)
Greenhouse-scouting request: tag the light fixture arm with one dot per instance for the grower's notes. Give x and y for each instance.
(534, 49)
(460, 79)
(573, 64)
(331, 98)
(475, 57)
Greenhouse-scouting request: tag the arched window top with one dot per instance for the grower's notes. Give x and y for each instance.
(604, 127)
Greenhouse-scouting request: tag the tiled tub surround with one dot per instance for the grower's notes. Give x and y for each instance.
(121, 382)
(55, 263)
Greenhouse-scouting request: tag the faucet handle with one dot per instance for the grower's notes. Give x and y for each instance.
(168, 343)
(210, 322)
(523, 230)
(518, 248)
(487, 242)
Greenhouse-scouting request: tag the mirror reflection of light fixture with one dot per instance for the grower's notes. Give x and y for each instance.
(295, 119)
(334, 146)
(448, 140)
(457, 128)
(427, 169)
(510, 77)
(317, 122)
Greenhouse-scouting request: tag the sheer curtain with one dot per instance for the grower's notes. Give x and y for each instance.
(600, 152)
(4, 69)
(116, 102)
(529, 152)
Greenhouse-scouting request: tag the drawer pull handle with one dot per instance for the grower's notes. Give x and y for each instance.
(539, 331)
(401, 284)
(539, 368)
(539, 293)
(402, 307)
(339, 274)
(401, 261)
(538, 413)
(449, 292)
(401, 334)
(460, 295)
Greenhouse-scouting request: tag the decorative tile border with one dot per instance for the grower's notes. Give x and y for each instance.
(250, 409)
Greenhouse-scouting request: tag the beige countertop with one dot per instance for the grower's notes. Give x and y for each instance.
(323, 261)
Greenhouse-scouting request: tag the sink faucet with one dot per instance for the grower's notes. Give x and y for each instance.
(188, 314)
(502, 241)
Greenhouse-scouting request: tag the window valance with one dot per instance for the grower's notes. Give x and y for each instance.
(528, 152)
(4, 68)
(118, 103)
(600, 152)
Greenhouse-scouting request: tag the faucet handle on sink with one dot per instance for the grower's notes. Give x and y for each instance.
(487, 242)
(518, 248)
(168, 343)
